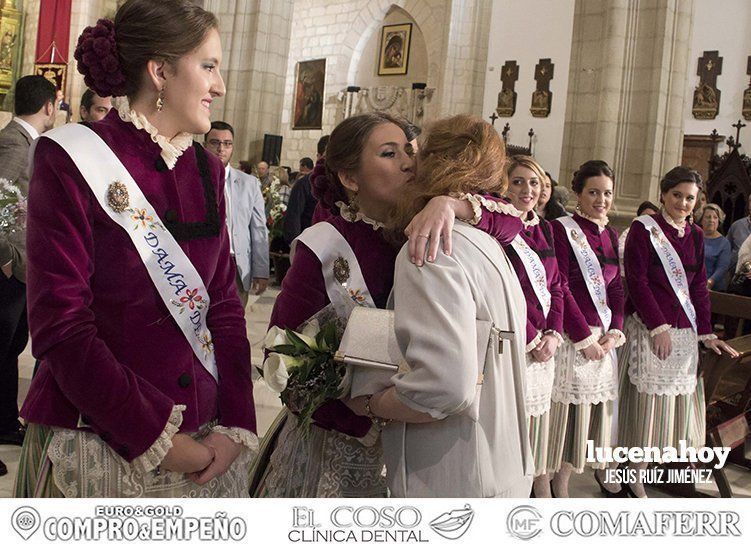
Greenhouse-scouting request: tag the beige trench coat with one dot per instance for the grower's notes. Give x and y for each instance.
(451, 321)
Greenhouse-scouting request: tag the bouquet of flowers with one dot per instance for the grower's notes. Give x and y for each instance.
(12, 209)
(300, 366)
(276, 209)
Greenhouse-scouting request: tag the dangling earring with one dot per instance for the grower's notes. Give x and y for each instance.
(578, 208)
(353, 207)
(160, 100)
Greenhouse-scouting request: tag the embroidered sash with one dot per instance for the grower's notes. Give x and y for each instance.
(345, 284)
(535, 272)
(672, 264)
(176, 280)
(590, 269)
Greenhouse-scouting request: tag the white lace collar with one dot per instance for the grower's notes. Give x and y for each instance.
(681, 228)
(601, 223)
(171, 149)
(531, 221)
(347, 215)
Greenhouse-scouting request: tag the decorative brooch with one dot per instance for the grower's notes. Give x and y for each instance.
(117, 196)
(341, 270)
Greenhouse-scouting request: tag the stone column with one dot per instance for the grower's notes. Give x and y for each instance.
(255, 42)
(625, 97)
(466, 56)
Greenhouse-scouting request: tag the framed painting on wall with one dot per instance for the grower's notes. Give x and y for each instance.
(393, 58)
(308, 106)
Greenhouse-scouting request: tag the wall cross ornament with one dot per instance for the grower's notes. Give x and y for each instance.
(747, 94)
(706, 94)
(542, 97)
(507, 96)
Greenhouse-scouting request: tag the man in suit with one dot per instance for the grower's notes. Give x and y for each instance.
(302, 203)
(34, 114)
(94, 107)
(246, 218)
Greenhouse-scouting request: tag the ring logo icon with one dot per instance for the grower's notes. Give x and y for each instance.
(452, 525)
(524, 522)
(25, 521)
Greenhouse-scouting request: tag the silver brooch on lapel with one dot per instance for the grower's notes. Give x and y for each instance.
(117, 196)
(341, 270)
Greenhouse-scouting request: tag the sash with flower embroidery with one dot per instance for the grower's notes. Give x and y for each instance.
(176, 280)
(345, 284)
(535, 272)
(672, 264)
(590, 269)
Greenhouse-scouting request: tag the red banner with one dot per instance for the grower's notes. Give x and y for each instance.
(53, 37)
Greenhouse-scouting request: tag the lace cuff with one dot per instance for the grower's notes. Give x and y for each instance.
(152, 457)
(242, 436)
(619, 337)
(370, 439)
(657, 330)
(704, 337)
(478, 202)
(476, 209)
(534, 343)
(588, 341)
(554, 333)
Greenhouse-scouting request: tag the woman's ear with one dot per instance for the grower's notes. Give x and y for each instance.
(349, 181)
(155, 70)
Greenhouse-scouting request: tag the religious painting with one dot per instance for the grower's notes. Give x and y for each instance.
(10, 38)
(308, 106)
(394, 52)
(706, 94)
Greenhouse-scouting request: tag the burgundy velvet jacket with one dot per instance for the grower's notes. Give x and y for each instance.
(303, 291)
(540, 239)
(579, 311)
(110, 352)
(650, 293)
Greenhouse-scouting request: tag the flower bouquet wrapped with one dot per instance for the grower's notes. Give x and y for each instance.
(12, 209)
(300, 366)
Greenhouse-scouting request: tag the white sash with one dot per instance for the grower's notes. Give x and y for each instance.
(345, 284)
(672, 264)
(175, 278)
(535, 272)
(590, 269)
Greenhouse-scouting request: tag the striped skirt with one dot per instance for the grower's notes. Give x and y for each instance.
(574, 425)
(649, 420)
(539, 439)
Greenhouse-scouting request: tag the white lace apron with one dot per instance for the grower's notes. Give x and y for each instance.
(580, 381)
(676, 375)
(539, 385)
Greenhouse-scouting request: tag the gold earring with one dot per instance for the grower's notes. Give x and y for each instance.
(160, 100)
(353, 207)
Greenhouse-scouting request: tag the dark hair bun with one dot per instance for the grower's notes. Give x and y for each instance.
(98, 59)
(590, 169)
(678, 175)
(325, 189)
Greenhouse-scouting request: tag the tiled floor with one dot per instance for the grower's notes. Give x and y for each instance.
(267, 406)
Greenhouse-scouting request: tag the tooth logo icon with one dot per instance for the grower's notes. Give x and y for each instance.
(452, 525)
(25, 521)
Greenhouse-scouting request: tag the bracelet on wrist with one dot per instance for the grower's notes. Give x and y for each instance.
(378, 421)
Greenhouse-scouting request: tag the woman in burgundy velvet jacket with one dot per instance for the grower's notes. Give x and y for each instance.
(118, 379)
(661, 398)
(533, 254)
(586, 379)
(367, 160)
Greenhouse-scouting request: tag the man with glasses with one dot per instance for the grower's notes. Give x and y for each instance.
(246, 218)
